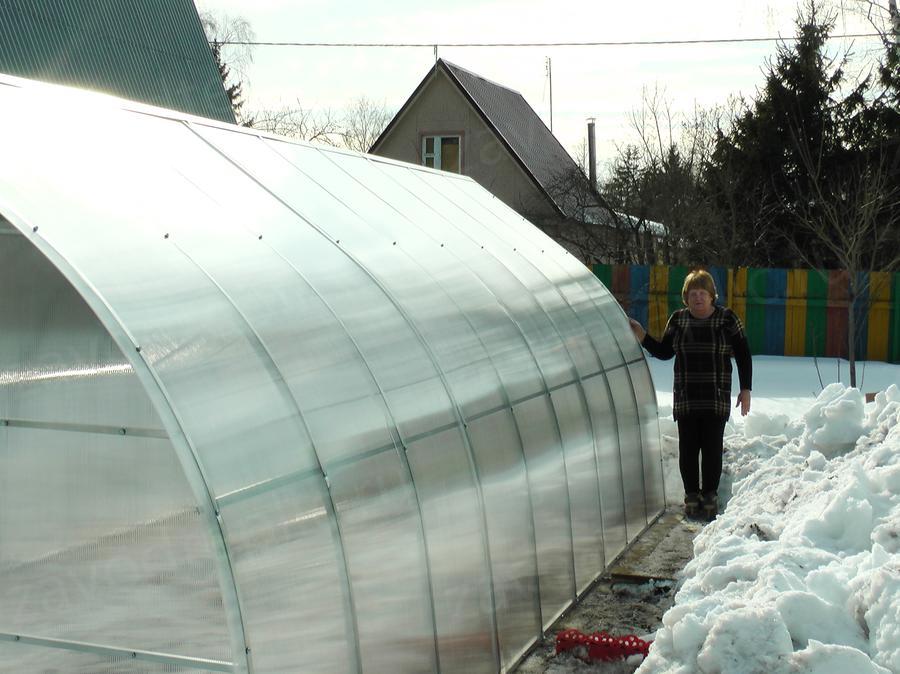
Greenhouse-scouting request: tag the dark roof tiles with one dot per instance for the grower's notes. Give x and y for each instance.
(516, 122)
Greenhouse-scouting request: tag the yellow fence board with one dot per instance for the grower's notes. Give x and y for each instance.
(879, 315)
(658, 309)
(795, 313)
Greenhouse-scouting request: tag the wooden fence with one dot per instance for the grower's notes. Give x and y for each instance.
(786, 312)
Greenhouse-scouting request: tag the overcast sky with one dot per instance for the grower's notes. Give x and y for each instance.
(604, 82)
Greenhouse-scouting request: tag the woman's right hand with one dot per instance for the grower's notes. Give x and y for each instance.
(637, 329)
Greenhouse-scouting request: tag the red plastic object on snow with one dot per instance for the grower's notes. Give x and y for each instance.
(601, 646)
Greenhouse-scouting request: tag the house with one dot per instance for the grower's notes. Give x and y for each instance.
(458, 121)
(152, 51)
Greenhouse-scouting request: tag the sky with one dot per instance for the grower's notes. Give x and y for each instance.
(801, 571)
(603, 82)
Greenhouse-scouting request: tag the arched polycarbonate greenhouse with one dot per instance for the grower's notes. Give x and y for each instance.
(273, 407)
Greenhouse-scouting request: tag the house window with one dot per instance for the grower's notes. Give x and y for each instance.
(441, 152)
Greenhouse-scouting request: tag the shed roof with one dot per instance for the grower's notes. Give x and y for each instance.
(153, 51)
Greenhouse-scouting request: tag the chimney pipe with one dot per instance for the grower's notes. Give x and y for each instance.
(592, 154)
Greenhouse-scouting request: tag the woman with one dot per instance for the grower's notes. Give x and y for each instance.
(702, 337)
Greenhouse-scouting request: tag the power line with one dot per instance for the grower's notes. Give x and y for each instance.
(621, 43)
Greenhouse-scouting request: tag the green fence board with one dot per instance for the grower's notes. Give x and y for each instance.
(816, 314)
(756, 310)
(604, 273)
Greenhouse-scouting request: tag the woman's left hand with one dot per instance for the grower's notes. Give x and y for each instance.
(743, 401)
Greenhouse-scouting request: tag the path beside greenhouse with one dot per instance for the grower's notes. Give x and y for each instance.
(629, 599)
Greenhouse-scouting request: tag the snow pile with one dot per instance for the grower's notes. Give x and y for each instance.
(801, 573)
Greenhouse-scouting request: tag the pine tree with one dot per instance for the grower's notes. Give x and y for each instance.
(232, 89)
(759, 168)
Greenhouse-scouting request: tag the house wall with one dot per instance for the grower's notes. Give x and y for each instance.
(441, 109)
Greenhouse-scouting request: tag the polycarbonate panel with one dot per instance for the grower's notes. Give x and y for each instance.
(89, 553)
(375, 238)
(288, 565)
(604, 305)
(548, 296)
(431, 209)
(366, 233)
(595, 306)
(327, 379)
(223, 386)
(555, 266)
(609, 463)
(478, 281)
(101, 538)
(510, 525)
(631, 450)
(597, 324)
(549, 491)
(392, 350)
(612, 337)
(378, 512)
(460, 573)
(563, 269)
(648, 413)
(584, 493)
(58, 364)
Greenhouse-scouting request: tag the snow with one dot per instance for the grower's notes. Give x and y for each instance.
(801, 572)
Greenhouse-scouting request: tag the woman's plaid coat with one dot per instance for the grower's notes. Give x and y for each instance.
(702, 348)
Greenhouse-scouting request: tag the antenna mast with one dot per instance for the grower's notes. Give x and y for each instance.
(549, 68)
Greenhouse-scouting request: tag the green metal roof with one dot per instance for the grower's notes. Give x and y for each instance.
(153, 51)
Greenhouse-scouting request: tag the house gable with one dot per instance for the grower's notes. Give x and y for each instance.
(440, 106)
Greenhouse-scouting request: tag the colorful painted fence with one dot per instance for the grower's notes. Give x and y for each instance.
(786, 312)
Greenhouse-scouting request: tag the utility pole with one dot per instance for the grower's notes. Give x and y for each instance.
(592, 155)
(549, 67)
(895, 24)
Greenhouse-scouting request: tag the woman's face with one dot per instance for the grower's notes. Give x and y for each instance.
(699, 302)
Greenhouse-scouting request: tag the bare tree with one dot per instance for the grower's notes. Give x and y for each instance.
(855, 215)
(229, 38)
(884, 16)
(657, 180)
(300, 123)
(234, 33)
(363, 122)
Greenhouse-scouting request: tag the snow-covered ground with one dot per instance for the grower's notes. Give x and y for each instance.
(801, 573)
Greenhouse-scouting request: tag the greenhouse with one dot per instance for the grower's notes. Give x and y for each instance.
(274, 407)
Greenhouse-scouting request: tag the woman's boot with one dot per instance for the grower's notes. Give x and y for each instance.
(692, 505)
(710, 506)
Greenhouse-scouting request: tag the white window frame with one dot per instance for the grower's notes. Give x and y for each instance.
(436, 155)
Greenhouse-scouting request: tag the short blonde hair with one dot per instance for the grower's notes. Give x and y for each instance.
(702, 279)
